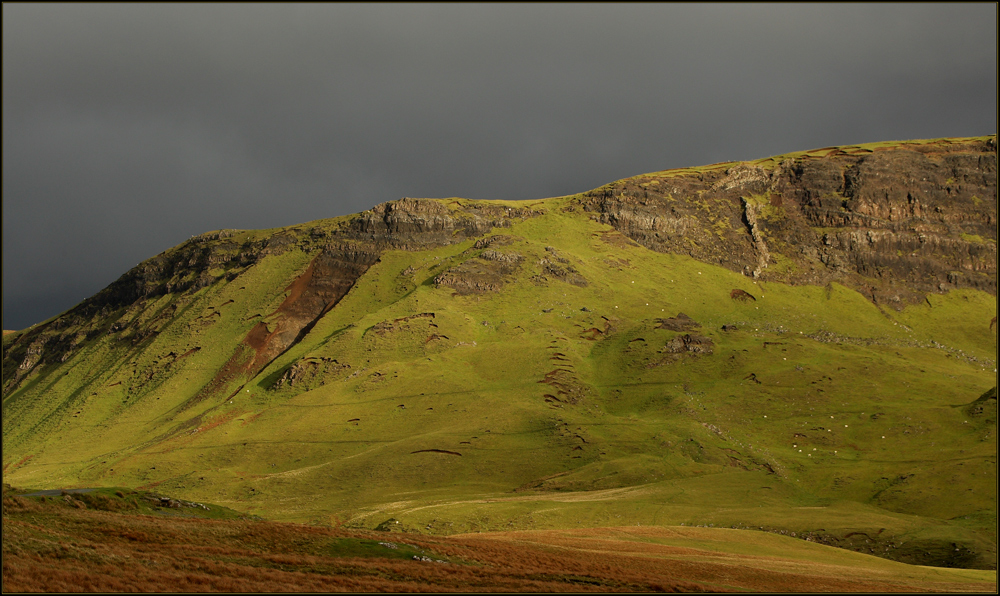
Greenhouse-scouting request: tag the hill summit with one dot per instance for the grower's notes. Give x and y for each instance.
(803, 344)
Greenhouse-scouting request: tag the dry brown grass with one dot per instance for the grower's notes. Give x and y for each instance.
(55, 546)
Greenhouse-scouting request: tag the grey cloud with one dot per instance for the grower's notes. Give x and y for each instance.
(128, 128)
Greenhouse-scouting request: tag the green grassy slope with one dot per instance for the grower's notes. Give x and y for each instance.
(557, 400)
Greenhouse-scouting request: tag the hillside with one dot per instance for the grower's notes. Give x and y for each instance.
(803, 344)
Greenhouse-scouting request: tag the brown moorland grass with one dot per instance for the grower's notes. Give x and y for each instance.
(58, 545)
(727, 559)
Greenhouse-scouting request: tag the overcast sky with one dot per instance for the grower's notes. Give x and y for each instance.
(129, 128)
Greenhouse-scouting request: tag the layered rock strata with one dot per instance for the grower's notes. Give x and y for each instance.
(895, 221)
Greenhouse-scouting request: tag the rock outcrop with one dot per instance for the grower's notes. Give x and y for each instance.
(895, 221)
(417, 223)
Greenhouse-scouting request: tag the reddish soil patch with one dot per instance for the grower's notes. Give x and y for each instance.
(322, 285)
(193, 350)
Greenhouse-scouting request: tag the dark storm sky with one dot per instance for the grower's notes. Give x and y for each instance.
(129, 128)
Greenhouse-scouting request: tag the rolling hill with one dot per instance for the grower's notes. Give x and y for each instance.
(803, 344)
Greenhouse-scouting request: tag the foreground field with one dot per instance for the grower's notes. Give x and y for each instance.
(103, 541)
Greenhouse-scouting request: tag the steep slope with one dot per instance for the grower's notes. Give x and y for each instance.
(891, 220)
(796, 344)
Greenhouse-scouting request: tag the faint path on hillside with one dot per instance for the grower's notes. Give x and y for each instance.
(562, 497)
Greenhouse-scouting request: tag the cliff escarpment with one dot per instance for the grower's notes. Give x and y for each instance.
(894, 221)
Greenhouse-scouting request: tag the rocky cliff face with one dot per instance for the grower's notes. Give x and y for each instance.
(418, 223)
(894, 222)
